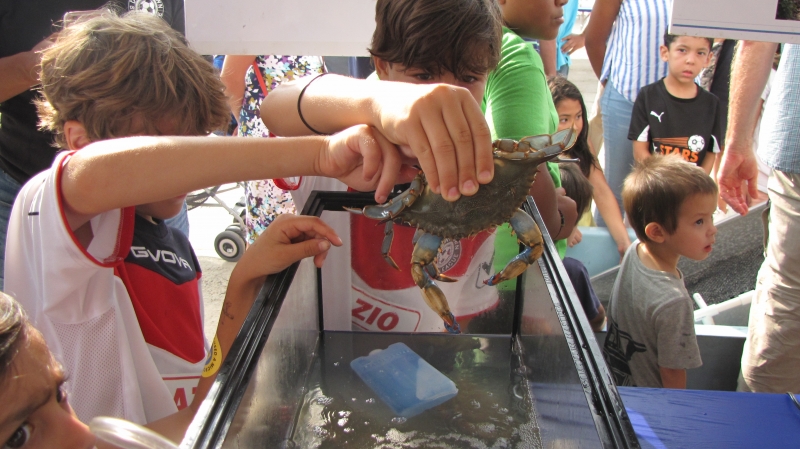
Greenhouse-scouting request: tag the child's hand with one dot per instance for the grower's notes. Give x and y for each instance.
(364, 159)
(442, 127)
(287, 239)
(575, 237)
(572, 43)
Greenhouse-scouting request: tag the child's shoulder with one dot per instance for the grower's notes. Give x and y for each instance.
(704, 95)
(516, 49)
(654, 89)
(635, 270)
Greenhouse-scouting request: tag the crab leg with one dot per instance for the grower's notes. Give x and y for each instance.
(386, 246)
(529, 234)
(424, 254)
(388, 211)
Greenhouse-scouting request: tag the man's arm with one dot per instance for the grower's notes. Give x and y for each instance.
(547, 50)
(673, 378)
(604, 13)
(738, 172)
(20, 72)
(440, 125)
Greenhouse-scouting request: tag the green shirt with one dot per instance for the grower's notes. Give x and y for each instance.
(517, 103)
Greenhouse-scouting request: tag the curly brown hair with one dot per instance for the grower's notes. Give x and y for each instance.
(119, 75)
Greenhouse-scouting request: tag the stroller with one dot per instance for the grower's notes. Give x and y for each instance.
(230, 243)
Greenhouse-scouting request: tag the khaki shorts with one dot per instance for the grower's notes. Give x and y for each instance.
(771, 358)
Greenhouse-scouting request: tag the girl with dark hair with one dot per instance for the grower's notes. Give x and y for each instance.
(571, 114)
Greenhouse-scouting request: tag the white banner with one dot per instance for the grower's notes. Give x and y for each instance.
(756, 20)
(280, 27)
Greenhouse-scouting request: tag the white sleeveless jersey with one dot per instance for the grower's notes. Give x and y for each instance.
(116, 341)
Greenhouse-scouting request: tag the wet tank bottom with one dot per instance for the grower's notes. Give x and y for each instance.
(492, 409)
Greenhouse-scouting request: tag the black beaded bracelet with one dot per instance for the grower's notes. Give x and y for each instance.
(300, 98)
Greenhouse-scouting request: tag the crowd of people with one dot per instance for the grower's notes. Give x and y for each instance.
(104, 126)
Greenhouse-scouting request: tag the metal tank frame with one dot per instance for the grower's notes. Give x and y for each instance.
(213, 421)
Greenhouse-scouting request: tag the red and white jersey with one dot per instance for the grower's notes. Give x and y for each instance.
(124, 316)
(363, 292)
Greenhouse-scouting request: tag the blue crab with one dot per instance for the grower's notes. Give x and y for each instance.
(516, 164)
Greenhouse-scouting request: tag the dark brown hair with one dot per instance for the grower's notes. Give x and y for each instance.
(576, 186)
(670, 38)
(656, 189)
(119, 75)
(13, 330)
(561, 89)
(457, 36)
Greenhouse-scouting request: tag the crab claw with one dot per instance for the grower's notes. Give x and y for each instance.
(434, 297)
(434, 273)
(517, 266)
(451, 325)
(531, 237)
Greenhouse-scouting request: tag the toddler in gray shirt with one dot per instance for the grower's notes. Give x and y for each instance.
(651, 340)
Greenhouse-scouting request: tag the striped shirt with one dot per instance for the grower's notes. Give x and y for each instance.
(632, 58)
(779, 139)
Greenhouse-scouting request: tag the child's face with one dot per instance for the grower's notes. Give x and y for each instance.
(35, 412)
(475, 83)
(695, 234)
(570, 115)
(537, 19)
(686, 57)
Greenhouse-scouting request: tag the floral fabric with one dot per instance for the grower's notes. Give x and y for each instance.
(264, 200)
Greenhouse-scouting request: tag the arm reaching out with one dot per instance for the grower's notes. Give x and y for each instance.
(738, 171)
(105, 175)
(287, 240)
(440, 125)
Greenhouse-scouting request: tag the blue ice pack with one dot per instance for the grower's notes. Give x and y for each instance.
(403, 380)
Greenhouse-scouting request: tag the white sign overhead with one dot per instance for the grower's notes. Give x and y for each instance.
(280, 27)
(758, 20)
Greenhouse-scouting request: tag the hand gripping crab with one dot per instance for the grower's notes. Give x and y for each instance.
(516, 165)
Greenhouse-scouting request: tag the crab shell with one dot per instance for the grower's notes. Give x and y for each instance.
(515, 170)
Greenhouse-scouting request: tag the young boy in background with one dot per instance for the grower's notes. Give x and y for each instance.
(651, 340)
(114, 291)
(674, 115)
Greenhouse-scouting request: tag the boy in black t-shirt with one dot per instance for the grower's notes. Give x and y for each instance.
(674, 115)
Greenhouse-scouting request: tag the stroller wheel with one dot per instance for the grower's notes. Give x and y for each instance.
(229, 245)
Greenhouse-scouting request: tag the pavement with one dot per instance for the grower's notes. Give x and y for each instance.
(208, 220)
